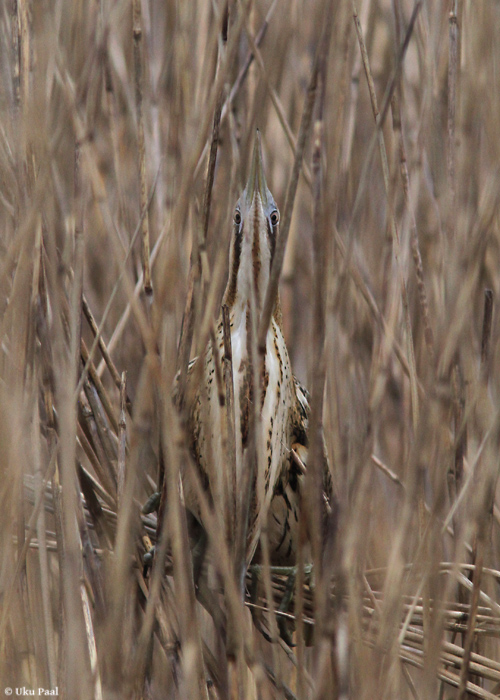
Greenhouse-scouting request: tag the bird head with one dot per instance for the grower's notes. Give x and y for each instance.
(255, 228)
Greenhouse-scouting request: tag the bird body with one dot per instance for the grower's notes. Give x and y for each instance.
(224, 481)
(281, 418)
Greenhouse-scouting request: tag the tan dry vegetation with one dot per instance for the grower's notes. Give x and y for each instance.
(384, 292)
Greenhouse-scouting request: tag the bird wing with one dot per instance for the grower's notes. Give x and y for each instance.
(301, 436)
(283, 519)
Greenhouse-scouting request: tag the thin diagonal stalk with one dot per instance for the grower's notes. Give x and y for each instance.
(279, 254)
(392, 222)
(452, 97)
(139, 84)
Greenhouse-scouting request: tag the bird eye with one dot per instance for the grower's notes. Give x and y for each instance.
(275, 217)
(237, 217)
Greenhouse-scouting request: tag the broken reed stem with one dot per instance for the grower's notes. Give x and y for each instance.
(139, 79)
(99, 387)
(413, 636)
(452, 96)
(388, 472)
(106, 435)
(102, 345)
(96, 459)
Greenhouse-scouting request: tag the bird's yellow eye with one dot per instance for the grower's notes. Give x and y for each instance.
(237, 217)
(275, 217)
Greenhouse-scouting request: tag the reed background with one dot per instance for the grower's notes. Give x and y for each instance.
(107, 114)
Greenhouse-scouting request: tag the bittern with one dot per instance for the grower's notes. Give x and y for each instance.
(275, 489)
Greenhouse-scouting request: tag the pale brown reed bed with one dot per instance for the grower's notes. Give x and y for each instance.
(124, 139)
(455, 615)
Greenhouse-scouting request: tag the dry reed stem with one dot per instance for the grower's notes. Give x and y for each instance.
(102, 345)
(278, 106)
(199, 263)
(279, 253)
(414, 239)
(139, 89)
(472, 568)
(224, 566)
(379, 117)
(484, 524)
(101, 392)
(486, 334)
(315, 479)
(452, 97)
(386, 102)
(229, 404)
(132, 305)
(226, 107)
(122, 437)
(97, 184)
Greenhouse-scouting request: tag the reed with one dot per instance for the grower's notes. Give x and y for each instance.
(126, 130)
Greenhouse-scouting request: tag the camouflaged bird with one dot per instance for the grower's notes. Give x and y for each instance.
(284, 410)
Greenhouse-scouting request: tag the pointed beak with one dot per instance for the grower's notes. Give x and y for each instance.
(257, 181)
